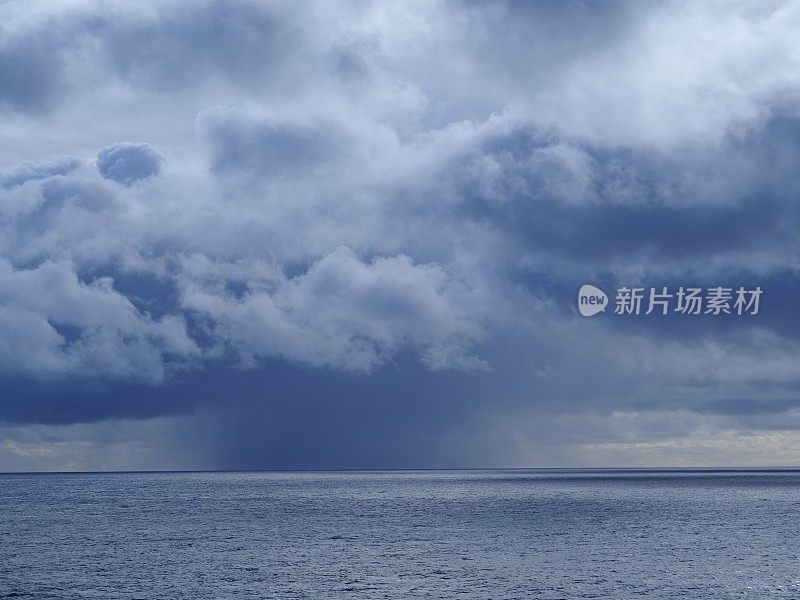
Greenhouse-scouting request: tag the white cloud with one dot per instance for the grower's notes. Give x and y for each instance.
(345, 313)
(52, 325)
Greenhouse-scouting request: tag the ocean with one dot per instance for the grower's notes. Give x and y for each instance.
(402, 534)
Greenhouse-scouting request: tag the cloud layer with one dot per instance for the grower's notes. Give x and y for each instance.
(211, 188)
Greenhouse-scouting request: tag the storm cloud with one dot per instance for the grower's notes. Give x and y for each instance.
(326, 209)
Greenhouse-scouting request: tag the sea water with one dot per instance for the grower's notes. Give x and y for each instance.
(425, 534)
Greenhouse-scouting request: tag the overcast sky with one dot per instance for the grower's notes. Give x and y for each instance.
(352, 234)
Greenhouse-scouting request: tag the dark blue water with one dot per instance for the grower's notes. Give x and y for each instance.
(474, 534)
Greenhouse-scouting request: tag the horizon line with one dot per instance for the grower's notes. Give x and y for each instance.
(654, 469)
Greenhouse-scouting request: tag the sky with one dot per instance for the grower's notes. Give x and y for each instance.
(350, 235)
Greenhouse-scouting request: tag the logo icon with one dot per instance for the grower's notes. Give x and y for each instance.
(591, 300)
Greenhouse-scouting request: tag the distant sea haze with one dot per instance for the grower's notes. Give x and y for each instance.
(402, 534)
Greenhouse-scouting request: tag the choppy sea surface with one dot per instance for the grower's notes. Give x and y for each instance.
(430, 534)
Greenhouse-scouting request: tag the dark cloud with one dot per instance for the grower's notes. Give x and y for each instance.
(375, 219)
(269, 147)
(30, 71)
(179, 46)
(127, 162)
